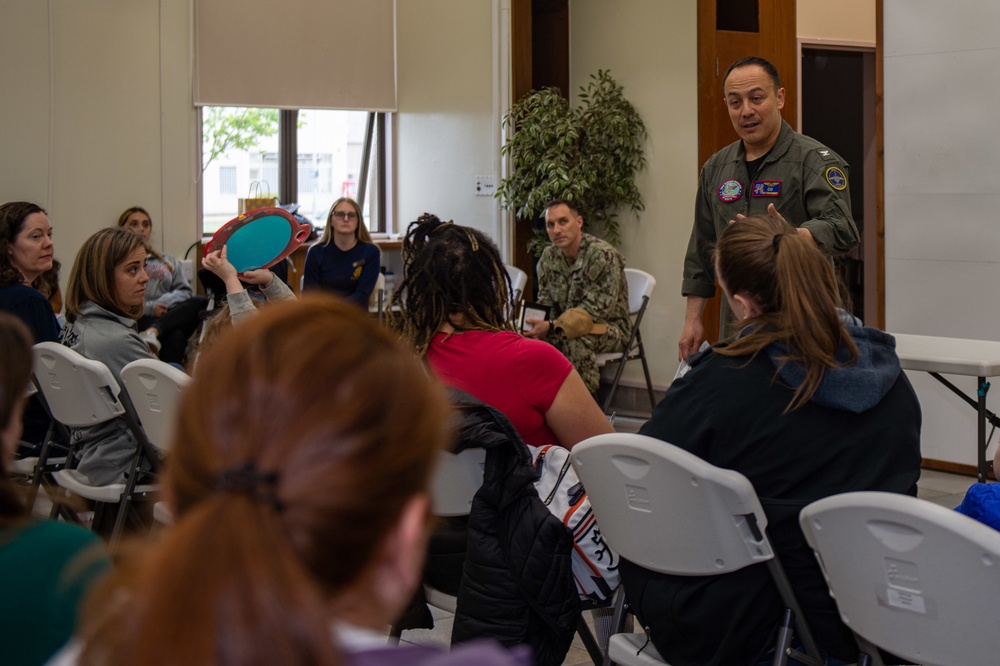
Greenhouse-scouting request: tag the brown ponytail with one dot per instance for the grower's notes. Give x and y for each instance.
(303, 435)
(791, 281)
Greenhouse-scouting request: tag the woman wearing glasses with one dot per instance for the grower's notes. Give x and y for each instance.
(344, 261)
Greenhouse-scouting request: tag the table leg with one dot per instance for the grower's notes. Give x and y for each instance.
(984, 387)
(983, 416)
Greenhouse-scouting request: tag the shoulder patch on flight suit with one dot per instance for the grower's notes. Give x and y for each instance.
(836, 177)
(827, 154)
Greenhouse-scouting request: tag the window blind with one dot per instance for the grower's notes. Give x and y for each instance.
(290, 54)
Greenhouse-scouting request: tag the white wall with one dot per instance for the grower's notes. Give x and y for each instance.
(102, 119)
(447, 132)
(942, 242)
(651, 49)
(843, 21)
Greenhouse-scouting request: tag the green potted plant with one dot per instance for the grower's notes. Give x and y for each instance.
(589, 155)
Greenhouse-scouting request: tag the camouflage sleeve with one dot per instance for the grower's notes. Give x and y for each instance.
(545, 292)
(606, 277)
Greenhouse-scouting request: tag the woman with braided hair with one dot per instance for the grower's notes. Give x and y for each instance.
(454, 310)
(805, 402)
(300, 522)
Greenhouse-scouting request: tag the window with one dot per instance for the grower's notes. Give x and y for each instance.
(321, 156)
(227, 180)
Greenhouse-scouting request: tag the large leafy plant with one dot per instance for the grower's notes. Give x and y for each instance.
(589, 155)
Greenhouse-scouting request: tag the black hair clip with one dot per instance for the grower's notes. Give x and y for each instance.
(247, 479)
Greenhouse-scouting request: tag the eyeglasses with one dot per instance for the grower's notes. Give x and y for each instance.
(341, 215)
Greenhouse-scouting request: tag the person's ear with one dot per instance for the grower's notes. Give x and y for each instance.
(745, 307)
(781, 98)
(402, 558)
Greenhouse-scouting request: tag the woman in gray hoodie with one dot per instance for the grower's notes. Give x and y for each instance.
(107, 286)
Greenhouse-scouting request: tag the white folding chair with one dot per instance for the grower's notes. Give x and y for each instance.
(155, 389)
(640, 289)
(671, 512)
(39, 469)
(909, 576)
(457, 478)
(376, 304)
(518, 281)
(81, 392)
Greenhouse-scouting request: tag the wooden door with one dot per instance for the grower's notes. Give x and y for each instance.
(540, 58)
(729, 30)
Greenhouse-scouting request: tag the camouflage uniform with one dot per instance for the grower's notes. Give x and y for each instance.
(595, 282)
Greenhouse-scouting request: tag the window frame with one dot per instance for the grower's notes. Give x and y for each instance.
(375, 159)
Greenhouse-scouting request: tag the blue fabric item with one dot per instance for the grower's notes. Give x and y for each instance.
(982, 502)
(854, 388)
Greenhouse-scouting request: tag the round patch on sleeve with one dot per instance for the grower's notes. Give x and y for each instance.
(730, 191)
(837, 178)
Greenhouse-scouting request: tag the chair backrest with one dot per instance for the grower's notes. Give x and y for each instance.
(155, 388)
(518, 281)
(640, 284)
(457, 478)
(668, 510)
(910, 576)
(80, 392)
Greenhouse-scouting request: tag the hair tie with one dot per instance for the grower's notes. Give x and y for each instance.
(248, 480)
(775, 241)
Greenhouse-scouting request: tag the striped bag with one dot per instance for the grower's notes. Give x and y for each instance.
(595, 565)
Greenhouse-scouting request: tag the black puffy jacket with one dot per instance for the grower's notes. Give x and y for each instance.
(517, 584)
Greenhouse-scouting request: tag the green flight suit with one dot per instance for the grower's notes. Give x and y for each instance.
(805, 180)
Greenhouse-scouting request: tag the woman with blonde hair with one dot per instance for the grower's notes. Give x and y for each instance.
(300, 522)
(171, 311)
(805, 402)
(344, 261)
(104, 299)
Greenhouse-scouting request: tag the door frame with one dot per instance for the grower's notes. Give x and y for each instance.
(873, 234)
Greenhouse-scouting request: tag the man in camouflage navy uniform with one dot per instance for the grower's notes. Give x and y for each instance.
(582, 280)
(770, 170)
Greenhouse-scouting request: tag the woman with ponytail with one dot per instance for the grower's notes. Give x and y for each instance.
(299, 481)
(805, 402)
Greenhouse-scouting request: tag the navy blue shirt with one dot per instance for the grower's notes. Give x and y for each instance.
(351, 274)
(33, 309)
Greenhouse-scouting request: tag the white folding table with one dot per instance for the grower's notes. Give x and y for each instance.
(956, 356)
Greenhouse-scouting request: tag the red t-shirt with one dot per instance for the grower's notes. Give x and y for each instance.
(516, 375)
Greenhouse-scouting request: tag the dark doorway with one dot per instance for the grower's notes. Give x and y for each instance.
(838, 109)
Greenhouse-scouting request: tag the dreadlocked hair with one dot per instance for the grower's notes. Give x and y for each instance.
(447, 270)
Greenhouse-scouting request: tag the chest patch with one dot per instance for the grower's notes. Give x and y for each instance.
(766, 188)
(837, 178)
(356, 273)
(730, 191)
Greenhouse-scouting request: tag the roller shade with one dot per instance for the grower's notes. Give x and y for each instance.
(291, 54)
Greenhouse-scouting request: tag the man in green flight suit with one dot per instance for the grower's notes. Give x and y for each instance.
(582, 280)
(771, 170)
